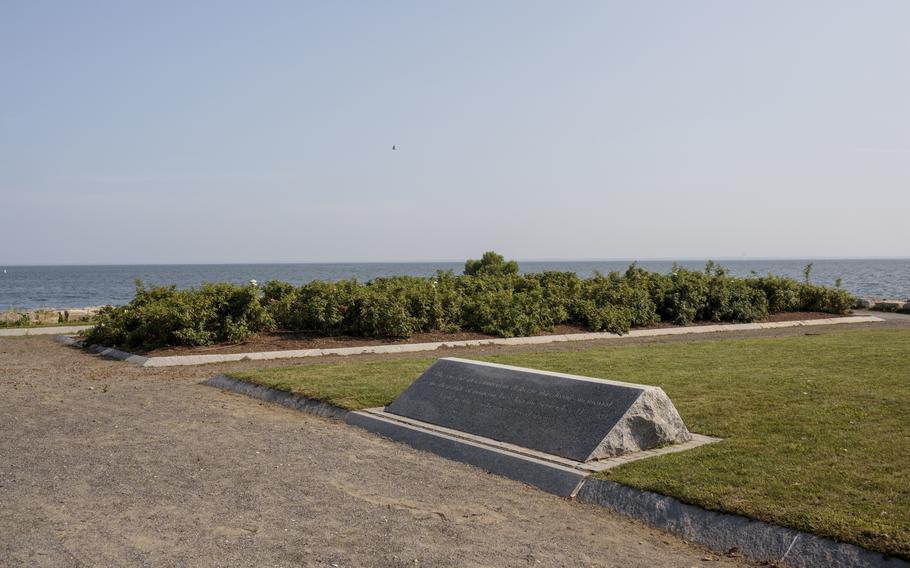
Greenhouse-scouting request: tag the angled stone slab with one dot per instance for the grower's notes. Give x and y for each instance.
(548, 476)
(578, 418)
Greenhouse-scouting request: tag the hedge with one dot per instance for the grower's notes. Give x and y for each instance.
(490, 297)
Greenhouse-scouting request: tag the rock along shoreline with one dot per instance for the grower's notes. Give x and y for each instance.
(41, 316)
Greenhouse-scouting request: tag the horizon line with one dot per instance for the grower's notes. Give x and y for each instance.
(519, 260)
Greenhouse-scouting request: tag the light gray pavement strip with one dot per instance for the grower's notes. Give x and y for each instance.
(55, 330)
(186, 360)
(110, 464)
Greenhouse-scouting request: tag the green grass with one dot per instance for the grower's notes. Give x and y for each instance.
(348, 385)
(816, 428)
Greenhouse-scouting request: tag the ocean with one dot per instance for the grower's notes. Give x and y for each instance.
(25, 287)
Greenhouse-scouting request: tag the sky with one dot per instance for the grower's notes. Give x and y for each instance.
(217, 131)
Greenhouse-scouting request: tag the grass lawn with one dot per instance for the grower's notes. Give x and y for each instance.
(816, 427)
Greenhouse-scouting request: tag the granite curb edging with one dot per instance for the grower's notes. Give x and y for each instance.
(183, 360)
(717, 531)
(50, 330)
(275, 396)
(725, 532)
(104, 351)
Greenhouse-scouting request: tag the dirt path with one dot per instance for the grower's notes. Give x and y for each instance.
(106, 464)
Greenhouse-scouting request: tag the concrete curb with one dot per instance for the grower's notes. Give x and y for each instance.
(18, 331)
(723, 532)
(295, 401)
(181, 360)
(105, 351)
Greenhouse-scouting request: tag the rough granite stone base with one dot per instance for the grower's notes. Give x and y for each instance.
(651, 422)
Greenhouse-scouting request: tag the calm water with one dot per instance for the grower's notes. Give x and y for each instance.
(77, 286)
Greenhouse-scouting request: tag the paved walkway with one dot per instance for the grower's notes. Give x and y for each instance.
(399, 348)
(103, 463)
(54, 330)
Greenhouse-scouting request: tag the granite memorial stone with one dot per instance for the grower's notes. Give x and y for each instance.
(574, 417)
(547, 429)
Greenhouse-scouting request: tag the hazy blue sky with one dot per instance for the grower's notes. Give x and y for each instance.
(262, 131)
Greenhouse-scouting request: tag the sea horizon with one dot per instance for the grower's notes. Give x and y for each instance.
(450, 261)
(81, 285)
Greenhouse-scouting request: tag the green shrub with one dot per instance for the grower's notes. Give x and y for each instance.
(654, 283)
(734, 300)
(490, 297)
(788, 295)
(280, 299)
(611, 303)
(491, 264)
(378, 313)
(506, 306)
(684, 293)
(434, 303)
(783, 294)
(325, 307)
(820, 299)
(606, 317)
(560, 293)
(731, 299)
(163, 316)
(448, 301)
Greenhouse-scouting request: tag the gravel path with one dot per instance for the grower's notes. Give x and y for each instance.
(107, 464)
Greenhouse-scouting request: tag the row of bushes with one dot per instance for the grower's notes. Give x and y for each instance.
(491, 297)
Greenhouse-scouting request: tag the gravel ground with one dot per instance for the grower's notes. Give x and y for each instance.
(106, 464)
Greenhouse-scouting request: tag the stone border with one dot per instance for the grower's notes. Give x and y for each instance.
(55, 330)
(724, 532)
(181, 360)
(721, 532)
(105, 351)
(297, 402)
